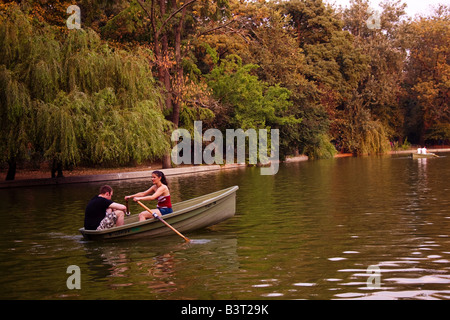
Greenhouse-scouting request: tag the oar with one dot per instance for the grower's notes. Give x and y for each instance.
(162, 220)
(128, 209)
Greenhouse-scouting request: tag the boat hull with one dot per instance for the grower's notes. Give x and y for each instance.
(423, 155)
(188, 215)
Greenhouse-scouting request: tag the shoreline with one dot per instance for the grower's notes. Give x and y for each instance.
(33, 178)
(117, 174)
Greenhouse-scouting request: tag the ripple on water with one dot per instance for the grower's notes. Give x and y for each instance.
(429, 279)
(337, 259)
(304, 284)
(272, 295)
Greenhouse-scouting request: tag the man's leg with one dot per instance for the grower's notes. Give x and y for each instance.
(120, 217)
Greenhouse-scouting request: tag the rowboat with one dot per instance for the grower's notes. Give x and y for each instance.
(189, 215)
(423, 155)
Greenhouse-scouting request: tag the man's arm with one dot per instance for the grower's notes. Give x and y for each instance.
(118, 206)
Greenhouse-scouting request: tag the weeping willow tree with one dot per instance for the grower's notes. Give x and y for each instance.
(360, 133)
(15, 111)
(73, 99)
(15, 100)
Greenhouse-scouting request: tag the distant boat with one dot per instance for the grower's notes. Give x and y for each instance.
(189, 215)
(423, 155)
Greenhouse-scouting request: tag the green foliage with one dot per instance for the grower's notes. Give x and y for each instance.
(316, 73)
(313, 140)
(320, 148)
(381, 85)
(360, 134)
(437, 133)
(406, 145)
(249, 102)
(126, 25)
(74, 99)
(428, 71)
(15, 112)
(333, 60)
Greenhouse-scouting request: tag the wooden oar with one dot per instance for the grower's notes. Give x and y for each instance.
(128, 209)
(162, 220)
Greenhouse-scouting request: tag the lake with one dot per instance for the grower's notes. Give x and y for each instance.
(347, 228)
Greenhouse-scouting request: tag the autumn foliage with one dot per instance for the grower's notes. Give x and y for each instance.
(330, 79)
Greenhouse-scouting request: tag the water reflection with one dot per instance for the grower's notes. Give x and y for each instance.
(151, 269)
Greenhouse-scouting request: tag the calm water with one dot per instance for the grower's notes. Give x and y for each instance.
(309, 232)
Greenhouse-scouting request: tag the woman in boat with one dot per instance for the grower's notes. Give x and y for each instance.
(158, 191)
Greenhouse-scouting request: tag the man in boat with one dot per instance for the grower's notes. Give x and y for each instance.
(102, 213)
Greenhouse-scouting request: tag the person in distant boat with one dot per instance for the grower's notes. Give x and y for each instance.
(102, 213)
(422, 150)
(158, 191)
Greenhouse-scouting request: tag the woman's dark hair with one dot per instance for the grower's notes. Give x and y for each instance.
(161, 175)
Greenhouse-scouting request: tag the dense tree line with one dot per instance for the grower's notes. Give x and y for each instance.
(110, 93)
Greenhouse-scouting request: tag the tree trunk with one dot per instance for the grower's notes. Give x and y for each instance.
(179, 70)
(57, 168)
(173, 84)
(163, 72)
(12, 166)
(166, 161)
